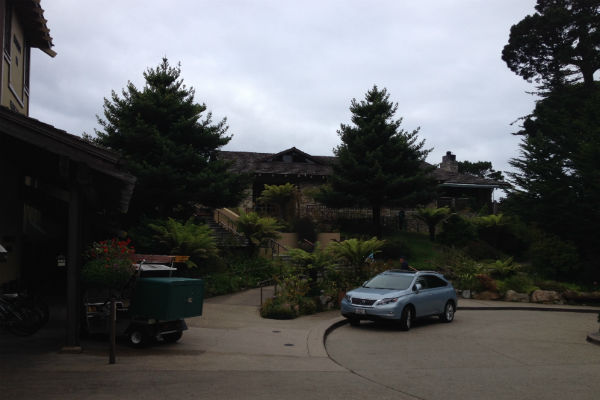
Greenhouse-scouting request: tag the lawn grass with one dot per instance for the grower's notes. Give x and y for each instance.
(419, 250)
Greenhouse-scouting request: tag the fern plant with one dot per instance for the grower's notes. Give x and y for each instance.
(355, 252)
(432, 217)
(284, 197)
(258, 230)
(190, 239)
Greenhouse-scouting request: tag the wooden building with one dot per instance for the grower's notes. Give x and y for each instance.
(57, 190)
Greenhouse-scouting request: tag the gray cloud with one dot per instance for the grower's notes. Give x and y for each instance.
(284, 72)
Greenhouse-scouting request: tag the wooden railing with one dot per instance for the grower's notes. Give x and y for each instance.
(227, 219)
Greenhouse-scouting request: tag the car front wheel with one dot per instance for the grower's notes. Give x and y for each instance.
(406, 318)
(448, 314)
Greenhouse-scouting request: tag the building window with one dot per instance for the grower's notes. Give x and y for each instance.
(26, 65)
(7, 27)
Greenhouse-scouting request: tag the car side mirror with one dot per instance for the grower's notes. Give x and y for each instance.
(417, 287)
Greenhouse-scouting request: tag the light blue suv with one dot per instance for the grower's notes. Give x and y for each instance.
(402, 296)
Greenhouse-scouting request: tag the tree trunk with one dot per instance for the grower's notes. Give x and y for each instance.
(432, 232)
(377, 221)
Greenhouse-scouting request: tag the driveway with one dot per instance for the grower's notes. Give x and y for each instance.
(498, 354)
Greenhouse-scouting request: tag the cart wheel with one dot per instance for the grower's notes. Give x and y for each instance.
(137, 338)
(172, 337)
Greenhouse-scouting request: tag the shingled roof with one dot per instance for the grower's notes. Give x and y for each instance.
(35, 25)
(298, 163)
(288, 162)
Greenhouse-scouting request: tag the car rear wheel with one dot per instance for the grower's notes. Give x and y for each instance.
(448, 314)
(406, 318)
(138, 338)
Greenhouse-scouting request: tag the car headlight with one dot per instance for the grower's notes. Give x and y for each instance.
(348, 298)
(383, 302)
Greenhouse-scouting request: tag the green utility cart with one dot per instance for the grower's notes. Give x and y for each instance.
(159, 305)
(153, 307)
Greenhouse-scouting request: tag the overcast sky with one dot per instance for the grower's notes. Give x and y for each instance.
(284, 72)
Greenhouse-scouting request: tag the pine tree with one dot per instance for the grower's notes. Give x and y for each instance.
(558, 44)
(557, 176)
(380, 164)
(170, 145)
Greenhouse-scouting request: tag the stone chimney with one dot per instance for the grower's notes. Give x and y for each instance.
(449, 162)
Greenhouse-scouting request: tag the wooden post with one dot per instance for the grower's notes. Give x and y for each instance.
(113, 328)
(73, 266)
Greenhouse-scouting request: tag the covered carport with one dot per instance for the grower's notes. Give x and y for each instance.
(59, 193)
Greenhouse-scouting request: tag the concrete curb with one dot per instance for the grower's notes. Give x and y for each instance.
(529, 308)
(594, 338)
(318, 335)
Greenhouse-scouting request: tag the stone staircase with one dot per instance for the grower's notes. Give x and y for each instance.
(224, 237)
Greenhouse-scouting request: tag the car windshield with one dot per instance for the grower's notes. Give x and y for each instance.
(390, 281)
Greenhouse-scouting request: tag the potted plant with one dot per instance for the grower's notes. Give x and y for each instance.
(109, 265)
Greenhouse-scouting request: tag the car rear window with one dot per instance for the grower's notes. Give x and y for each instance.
(390, 281)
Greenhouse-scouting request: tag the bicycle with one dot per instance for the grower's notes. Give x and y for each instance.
(21, 314)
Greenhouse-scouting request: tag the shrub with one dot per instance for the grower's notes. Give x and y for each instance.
(394, 248)
(432, 217)
(276, 309)
(486, 282)
(236, 273)
(480, 250)
(308, 305)
(258, 230)
(354, 252)
(284, 197)
(500, 269)
(520, 283)
(188, 239)
(109, 264)
(306, 229)
(457, 231)
(558, 286)
(553, 257)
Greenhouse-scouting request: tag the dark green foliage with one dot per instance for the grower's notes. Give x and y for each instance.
(554, 257)
(432, 217)
(306, 229)
(481, 250)
(100, 274)
(187, 239)
(258, 230)
(557, 183)
(168, 236)
(236, 272)
(170, 145)
(556, 186)
(558, 44)
(283, 197)
(520, 283)
(457, 231)
(394, 248)
(482, 169)
(276, 308)
(378, 162)
(143, 237)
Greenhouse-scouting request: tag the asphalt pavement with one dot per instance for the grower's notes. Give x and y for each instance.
(232, 353)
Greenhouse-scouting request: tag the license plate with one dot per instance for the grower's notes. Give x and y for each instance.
(360, 311)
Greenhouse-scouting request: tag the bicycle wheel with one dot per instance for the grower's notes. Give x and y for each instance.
(25, 320)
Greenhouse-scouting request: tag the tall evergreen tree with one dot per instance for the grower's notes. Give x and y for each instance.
(482, 169)
(558, 44)
(380, 164)
(556, 183)
(170, 145)
(557, 177)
